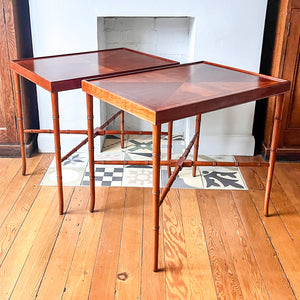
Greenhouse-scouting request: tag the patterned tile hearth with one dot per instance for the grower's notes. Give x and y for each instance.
(76, 170)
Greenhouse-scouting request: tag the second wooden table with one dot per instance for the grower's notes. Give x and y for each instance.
(166, 95)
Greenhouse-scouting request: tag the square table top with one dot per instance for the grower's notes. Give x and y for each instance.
(183, 90)
(65, 72)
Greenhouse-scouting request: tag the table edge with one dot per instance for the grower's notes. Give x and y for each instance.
(280, 86)
(75, 83)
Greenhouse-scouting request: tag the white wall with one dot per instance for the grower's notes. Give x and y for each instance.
(59, 27)
(228, 32)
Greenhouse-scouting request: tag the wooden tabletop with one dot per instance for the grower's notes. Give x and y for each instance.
(184, 90)
(65, 72)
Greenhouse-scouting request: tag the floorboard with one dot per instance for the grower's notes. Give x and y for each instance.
(213, 244)
(177, 271)
(106, 265)
(128, 284)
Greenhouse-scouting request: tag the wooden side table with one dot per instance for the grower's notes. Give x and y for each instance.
(65, 72)
(166, 95)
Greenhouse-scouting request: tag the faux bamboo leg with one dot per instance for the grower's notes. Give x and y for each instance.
(156, 176)
(196, 145)
(55, 116)
(20, 121)
(90, 122)
(170, 132)
(274, 144)
(122, 129)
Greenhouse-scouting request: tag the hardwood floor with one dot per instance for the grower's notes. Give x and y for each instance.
(214, 244)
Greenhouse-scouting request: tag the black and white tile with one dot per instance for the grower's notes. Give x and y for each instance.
(105, 176)
(73, 170)
(76, 171)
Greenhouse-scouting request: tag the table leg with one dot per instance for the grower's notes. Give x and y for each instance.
(90, 123)
(156, 136)
(122, 129)
(170, 132)
(55, 116)
(274, 144)
(196, 145)
(20, 120)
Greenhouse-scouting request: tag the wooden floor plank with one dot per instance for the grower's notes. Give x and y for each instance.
(152, 283)
(9, 167)
(253, 181)
(261, 173)
(128, 284)
(82, 268)
(295, 173)
(38, 257)
(212, 243)
(287, 253)
(55, 276)
(252, 174)
(250, 278)
(225, 276)
(16, 257)
(177, 279)
(14, 188)
(200, 274)
(272, 272)
(288, 214)
(106, 265)
(286, 172)
(14, 210)
(285, 197)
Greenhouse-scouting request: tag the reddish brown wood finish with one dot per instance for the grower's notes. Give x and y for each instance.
(65, 72)
(156, 191)
(181, 91)
(196, 146)
(20, 120)
(90, 122)
(55, 116)
(170, 132)
(122, 129)
(185, 163)
(274, 144)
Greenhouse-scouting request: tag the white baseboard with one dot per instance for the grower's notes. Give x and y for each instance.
(226, 145)
(68, 142)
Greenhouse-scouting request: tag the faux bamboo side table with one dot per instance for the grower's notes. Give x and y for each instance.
(181, 91)
(65, 72)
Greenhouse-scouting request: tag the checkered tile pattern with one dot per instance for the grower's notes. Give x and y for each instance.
(105, 176)
(76, 168)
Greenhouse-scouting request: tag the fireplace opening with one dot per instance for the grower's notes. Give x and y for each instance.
(168, 37)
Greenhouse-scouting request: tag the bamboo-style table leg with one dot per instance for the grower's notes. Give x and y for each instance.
(20, 121)
(56, 131)
(170, 132)
(90, 123)
(156, 129)
(122, 129)
(196, 145)
(274, 144)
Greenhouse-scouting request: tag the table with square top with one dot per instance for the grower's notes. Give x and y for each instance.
(176, 92)
(65, 72)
